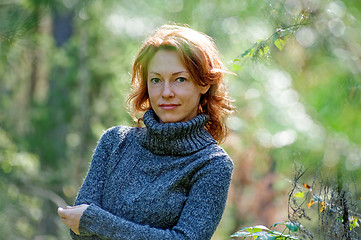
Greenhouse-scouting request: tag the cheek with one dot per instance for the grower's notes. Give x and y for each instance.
(193, 94)
(192, 98)
(197, 100)
(152, 94)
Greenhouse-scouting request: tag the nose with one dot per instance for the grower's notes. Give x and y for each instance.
(167, 90)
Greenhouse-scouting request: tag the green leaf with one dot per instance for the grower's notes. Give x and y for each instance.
(249, 52)
(261, 227)
(264, 236)
(300, 194)
(292, 226)
(264, 50)
(280, 236)
(251, 229)
(240, 234)
(236, 67)
(275, 36)
(290, 237)
(278, 223)
(254, 229)
(279, 43)
(317, 199)
(258, 231)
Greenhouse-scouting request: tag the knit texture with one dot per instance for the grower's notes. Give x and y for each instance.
(163, 181)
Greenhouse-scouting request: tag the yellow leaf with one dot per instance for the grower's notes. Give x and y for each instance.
(323, 206)
(310, 203)
(300, 195)
(279, 43)
(353, 222)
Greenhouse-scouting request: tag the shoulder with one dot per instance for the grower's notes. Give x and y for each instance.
(119, 132)
(116, 131)
(114, 135)
(213, 165)
(217, 157)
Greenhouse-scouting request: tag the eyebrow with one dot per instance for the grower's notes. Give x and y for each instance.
(173, 74)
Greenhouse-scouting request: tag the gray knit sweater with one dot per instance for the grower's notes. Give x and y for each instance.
(163, 181)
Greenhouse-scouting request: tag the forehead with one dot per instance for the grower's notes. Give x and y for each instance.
(164, 60)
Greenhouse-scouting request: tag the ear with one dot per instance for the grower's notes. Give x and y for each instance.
(205, 88)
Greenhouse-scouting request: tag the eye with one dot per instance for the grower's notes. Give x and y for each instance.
(155, 80)
(181, 79)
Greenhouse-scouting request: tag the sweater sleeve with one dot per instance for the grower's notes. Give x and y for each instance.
(92, 187)
(198, 220)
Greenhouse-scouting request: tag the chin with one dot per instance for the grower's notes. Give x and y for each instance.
(169, 118)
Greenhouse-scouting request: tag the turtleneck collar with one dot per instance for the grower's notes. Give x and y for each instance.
(177, 138)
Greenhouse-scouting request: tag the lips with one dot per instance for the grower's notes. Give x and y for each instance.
(168, 106)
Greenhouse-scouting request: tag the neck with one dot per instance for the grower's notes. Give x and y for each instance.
(178, 138)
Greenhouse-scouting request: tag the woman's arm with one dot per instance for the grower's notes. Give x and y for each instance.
(92, 187)
(199, 218)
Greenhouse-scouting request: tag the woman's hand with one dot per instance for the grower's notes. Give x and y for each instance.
(71, 216)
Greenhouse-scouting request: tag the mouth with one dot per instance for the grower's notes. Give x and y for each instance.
(168, 106)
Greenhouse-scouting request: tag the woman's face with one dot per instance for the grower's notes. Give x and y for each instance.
(174, 96)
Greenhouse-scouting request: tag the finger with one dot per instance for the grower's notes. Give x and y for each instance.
(62, 212)
(63, 220)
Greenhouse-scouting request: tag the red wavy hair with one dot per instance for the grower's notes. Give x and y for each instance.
(200, 56)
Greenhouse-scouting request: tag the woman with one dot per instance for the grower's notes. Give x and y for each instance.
(169, 179)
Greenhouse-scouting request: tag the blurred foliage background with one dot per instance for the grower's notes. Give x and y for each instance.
(65, 73)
